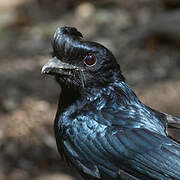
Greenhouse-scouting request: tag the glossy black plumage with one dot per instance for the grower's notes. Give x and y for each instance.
(101, 127)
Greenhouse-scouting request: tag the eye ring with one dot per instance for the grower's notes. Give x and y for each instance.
(90, 60)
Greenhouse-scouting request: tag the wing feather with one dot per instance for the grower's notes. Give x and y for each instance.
(139, 152)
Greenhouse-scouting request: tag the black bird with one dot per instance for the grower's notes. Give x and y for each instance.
(101, 127)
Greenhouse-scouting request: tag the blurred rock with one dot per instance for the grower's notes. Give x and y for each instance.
(105, 17)
(6, 17)
(18, 174)
(54, 177)
(165, 27)
(2, 177)
(50, 142)
(162, 96)
(85, 10)
(11, 101)
(9, 4)
(171, 4)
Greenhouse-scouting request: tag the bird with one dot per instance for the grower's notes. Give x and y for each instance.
(101, 127)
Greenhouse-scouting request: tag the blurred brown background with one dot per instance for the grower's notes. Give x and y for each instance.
(144, 35)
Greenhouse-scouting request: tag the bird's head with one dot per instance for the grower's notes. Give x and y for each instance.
(81, 64)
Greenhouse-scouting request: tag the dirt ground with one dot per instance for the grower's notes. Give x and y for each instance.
(143, 35)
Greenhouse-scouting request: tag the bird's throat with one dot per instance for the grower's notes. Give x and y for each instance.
(67, 97)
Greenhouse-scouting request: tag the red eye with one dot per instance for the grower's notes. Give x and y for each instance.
(90, 60)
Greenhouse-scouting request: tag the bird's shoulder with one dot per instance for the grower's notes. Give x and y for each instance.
(113, 106)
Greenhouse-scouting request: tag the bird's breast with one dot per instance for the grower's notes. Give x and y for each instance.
(83, 127)
(76, 134)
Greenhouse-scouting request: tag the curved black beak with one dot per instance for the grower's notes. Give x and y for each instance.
(56, 66)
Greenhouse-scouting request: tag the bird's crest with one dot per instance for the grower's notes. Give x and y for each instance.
(66, 41)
